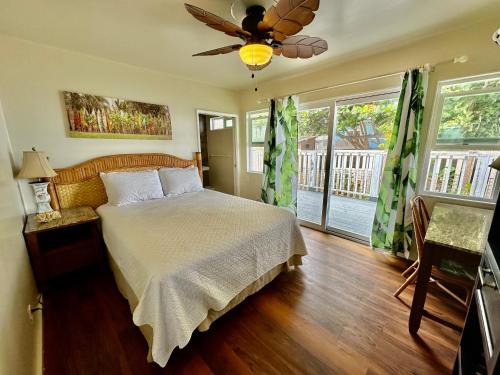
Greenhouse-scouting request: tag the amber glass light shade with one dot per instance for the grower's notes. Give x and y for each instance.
(256, 54)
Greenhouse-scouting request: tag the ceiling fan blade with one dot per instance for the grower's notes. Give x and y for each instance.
(288, 17)
(220, 51)
(302, 46)
(216, 22)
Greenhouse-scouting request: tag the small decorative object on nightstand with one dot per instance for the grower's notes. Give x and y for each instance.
(36, 165)
(63, 245)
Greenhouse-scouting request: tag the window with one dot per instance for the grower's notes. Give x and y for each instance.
(257, 124)
(218, 123)
(464, 139)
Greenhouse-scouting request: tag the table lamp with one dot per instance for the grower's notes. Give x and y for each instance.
(36, 165)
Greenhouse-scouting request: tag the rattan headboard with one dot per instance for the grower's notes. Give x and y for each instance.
(81, 185)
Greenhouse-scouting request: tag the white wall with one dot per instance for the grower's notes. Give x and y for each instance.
(20, 339)
(32, 76)
(473, 41)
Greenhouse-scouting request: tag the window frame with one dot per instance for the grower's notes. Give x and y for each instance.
(432, 134)
(249, 141)
(225, 120)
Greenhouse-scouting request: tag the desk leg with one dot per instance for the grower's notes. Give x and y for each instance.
(424, 274)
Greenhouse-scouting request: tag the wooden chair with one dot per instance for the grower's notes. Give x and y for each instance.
(421, 220)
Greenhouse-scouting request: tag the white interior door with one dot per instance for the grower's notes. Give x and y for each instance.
(221, 160)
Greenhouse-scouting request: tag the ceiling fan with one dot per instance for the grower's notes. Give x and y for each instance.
(267, 32)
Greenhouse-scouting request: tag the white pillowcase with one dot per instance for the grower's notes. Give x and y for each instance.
(180, 180)
(128, 187)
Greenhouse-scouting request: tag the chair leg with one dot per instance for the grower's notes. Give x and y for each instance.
(407, 271)
(468, 297)
(408, 281)
(452, 294)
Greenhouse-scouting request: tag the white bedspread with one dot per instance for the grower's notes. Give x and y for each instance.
(187, 254)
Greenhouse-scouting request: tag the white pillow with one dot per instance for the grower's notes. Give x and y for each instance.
(180, 180)
(128, 187)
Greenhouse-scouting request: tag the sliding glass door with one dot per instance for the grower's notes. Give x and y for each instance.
(341, 162)
(362, 130)
(314, 121)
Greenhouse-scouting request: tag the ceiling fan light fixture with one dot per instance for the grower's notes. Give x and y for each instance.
(256, 54)
(265, 32)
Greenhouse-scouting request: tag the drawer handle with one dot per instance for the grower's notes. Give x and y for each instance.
(484, 322)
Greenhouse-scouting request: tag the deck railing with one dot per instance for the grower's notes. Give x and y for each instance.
(358, 173)
(465, 173)
(256, 158)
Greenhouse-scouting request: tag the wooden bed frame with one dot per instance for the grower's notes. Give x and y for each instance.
(80, 185)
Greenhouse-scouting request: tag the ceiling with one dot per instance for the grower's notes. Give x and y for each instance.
(161, 35)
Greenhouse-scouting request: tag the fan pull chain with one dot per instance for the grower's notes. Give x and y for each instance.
(253, 76)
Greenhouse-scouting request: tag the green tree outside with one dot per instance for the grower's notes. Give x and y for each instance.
(470, 118)
(356, 123)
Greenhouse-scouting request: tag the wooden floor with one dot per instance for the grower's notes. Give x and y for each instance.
(335, 315)
(347, 214)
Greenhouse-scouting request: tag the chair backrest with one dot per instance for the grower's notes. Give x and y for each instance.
(421, 220)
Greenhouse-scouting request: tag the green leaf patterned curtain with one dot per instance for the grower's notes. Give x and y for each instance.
(393, 227)
(279, 185)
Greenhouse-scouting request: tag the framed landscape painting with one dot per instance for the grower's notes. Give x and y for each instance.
(93, 116)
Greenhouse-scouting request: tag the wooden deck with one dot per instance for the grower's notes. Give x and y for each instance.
(334, 315)
(348, 214)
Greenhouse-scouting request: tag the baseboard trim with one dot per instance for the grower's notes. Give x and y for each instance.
(38, 342)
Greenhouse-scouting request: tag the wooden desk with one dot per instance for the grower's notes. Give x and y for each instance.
(456, 233)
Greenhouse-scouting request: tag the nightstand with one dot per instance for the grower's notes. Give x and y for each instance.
(63, 245)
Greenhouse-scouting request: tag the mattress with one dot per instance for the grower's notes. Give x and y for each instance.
(182, 261)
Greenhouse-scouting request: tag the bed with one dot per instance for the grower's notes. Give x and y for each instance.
(182, 261)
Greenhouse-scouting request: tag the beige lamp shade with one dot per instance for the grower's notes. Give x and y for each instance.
(496, 164)
(35, 165)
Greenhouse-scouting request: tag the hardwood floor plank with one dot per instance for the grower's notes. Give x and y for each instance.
(334, 315)
(288, 355)
(220, 357)
(318, 340)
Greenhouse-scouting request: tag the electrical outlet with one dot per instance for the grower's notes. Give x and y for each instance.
(30, 312)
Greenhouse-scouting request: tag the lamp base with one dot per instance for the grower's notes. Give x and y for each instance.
(42, 197)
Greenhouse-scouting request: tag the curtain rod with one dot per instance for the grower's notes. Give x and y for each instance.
(455, 60)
